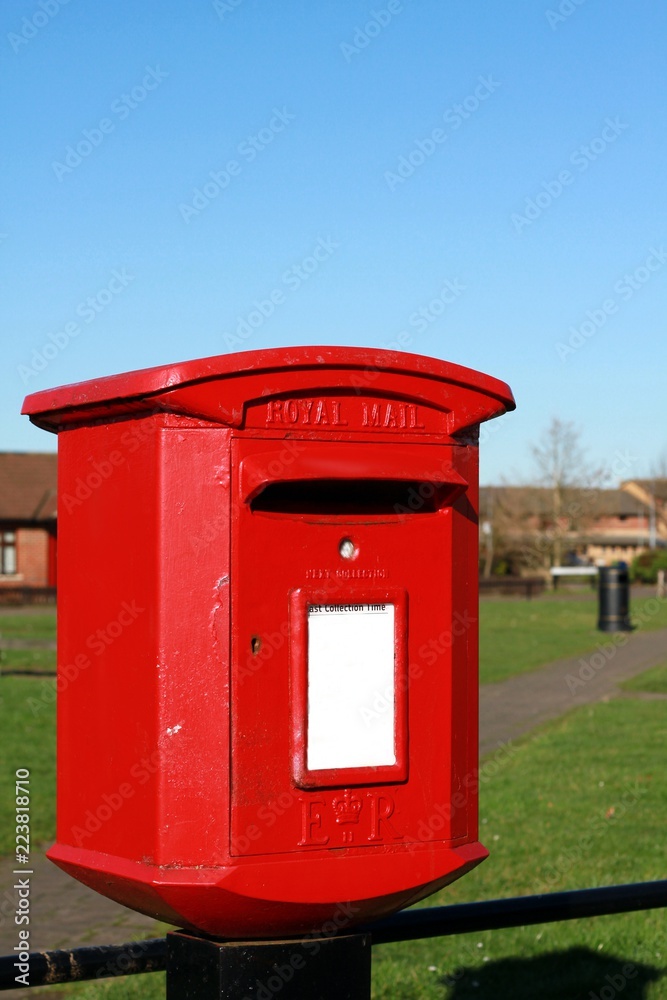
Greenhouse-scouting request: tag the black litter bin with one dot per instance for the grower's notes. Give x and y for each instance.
(614, 599)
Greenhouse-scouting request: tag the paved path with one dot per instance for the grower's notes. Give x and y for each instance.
(516, 706)
(65, 912)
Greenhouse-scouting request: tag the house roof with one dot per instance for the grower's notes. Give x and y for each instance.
(649, 487)
(517, 499)
(27, 486)
(532, 500)
(615, 503)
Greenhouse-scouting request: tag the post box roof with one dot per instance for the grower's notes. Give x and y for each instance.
(470, 396)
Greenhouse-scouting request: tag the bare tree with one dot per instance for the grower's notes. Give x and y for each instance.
(562, 468)
(658, 468)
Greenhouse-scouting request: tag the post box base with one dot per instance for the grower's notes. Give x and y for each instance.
(329, 968)
(277, 896)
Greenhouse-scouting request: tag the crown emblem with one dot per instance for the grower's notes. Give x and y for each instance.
(347, 808)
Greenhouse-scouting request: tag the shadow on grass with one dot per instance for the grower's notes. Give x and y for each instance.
(576, 974)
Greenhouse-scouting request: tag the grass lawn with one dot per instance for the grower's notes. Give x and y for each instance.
(41, 625)
(654, 681)
(582, 803)
(27, 740)
(27, 660)
(517, 635)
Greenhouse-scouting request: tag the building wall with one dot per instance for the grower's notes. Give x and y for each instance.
(32, 557)
(612, 553)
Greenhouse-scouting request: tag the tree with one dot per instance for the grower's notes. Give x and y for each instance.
(658, 468)
(562, 467)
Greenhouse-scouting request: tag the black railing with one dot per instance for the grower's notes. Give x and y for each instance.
(529, 586)
(12, 596)
(47, 968)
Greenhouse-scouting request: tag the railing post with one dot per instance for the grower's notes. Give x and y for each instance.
(313, 968)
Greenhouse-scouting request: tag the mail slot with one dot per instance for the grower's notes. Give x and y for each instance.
(258, 555)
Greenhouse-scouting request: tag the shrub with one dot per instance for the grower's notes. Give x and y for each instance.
(645, 566)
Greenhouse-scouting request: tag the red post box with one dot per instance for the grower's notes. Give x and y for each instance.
(267, 638)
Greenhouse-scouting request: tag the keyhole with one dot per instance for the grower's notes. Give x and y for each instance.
(255, 645)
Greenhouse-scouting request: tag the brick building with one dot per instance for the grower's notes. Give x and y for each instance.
(27, 520)
(518, 525)
(652, 494)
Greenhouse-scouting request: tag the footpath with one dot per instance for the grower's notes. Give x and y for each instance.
(65, 913)
(518, 705)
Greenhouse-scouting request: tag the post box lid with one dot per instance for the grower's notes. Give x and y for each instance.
(219, 388)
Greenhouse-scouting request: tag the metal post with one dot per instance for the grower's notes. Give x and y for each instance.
(313, 968)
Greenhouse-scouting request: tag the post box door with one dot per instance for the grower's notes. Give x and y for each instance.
(341, 712)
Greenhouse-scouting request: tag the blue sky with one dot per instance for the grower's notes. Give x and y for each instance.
(485, 178)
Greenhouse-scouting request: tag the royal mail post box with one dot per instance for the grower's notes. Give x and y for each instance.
(267, 635)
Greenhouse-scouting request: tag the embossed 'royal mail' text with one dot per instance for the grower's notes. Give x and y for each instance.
(339, 413)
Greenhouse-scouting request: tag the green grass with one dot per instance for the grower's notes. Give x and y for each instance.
(654, 681)
(582, 803)
(27, 740)
(41, 625)
(27, 660)
(517, 635)
(148, 986)
(553, 816)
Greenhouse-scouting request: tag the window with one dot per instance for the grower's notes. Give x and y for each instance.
(7, 552)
